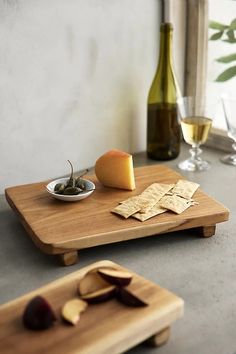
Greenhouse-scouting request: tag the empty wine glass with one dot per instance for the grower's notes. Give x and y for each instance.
(196, 114)
(229, 107)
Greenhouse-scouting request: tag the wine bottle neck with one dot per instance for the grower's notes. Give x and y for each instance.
(165, 56)
(164, 86)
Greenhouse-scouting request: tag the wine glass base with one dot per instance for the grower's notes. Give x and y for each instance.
(194, 165)
(229, 159)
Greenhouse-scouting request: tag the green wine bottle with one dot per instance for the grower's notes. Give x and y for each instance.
(163, 129)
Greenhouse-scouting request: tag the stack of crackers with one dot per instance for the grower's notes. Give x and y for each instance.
(157, 199)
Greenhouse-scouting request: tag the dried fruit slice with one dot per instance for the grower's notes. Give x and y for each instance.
(72, 309)
(38, 314)
(100, 295)
(91, 282)
(93, 288)
(116, 277)
(128, 298)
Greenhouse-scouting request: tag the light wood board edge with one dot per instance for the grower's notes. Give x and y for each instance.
(141, 332)
(47, 248)
(142, 231)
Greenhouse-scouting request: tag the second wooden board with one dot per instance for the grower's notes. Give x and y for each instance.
(105, 328)
(58, 227)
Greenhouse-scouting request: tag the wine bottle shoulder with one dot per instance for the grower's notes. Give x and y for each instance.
(164, 88)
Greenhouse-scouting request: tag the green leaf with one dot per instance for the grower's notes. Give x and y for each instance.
(216, 36)
(230, 34)
(233, 25)
(227, 74)
(227, 58)
(217, 26)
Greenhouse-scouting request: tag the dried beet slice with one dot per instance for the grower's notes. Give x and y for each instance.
(116, 277)
(129, 298)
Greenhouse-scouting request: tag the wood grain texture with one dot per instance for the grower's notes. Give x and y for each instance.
(105, 328)
(58, 227)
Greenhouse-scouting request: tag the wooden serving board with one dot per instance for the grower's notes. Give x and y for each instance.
(105, 328)
(62, 228)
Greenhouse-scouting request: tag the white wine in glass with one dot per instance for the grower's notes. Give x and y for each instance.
(196, 114)
(195, 129)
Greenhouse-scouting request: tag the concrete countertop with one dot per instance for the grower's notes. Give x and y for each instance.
(201, 271)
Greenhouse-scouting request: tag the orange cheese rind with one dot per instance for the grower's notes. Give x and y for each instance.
(115, 169)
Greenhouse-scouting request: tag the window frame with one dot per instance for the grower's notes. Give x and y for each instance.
(196, 41)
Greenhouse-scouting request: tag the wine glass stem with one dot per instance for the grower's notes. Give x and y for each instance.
(195, 151)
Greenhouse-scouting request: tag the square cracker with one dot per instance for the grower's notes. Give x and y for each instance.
(149, 197)
(175, 203)
(126, 210)
(157, 189)
(142, 201)
(154, 193)
(185, 189)
(155, 210)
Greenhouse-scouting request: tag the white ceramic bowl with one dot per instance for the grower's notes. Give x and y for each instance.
(70, 198)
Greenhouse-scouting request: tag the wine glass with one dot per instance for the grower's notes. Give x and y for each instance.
(229, 107)
(196, 114)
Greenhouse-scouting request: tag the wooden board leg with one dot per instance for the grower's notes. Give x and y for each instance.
(159, 338)
(68, 258)
(207, 231)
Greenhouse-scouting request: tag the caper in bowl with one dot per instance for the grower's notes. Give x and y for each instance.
(89, 188)
(71, 189)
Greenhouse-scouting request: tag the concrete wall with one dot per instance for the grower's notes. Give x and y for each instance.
(74, 78)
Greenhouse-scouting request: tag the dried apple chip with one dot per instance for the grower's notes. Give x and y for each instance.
(72, 309)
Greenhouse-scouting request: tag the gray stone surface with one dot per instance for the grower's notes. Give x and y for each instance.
(201, 271)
